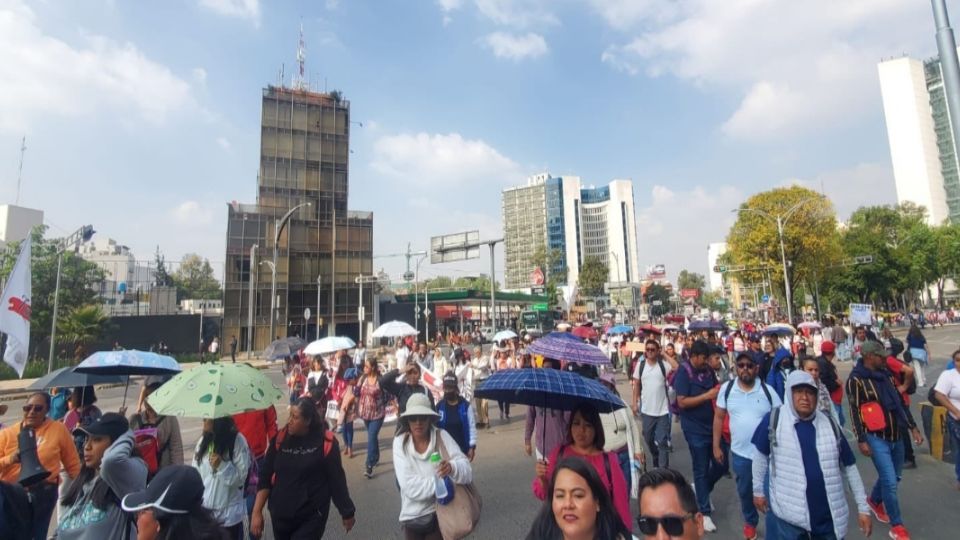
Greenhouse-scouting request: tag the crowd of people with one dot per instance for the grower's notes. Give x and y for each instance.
(760, 409)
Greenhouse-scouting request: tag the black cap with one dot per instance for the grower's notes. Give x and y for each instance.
(176, 489)
(110, 424)
(450, 380)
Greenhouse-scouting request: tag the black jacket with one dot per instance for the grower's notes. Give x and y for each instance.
(828, 374)
(402, 390)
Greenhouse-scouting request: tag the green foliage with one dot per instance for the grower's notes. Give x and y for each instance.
(439, 282)
(195, 279)
(477, 283)
(83, 325)
(691, 280)
(593, 274)
(547, 261)
(161, 277)
(656, 292)
(79, 281)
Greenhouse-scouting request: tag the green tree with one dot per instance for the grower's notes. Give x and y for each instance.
(439, 282)
(593, 274)
(83, 326)
(195, 279)
(691, 280)
(161, 278)
(548, 261)
(479, 283)
(657, 293)
(79, 281)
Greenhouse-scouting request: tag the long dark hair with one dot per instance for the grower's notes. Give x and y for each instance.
(914, 332)
(608, 526)
(223, 437)
(101, 495)
(308, 411)
(589, 414)
(197, 524)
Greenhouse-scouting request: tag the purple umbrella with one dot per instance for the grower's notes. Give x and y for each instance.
(568, 350)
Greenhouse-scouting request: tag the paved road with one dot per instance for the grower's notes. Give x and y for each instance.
(503, 473)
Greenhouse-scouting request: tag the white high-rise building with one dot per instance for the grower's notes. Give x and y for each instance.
(16, 222)
(714, 251)
(922, 149)
(578, 221)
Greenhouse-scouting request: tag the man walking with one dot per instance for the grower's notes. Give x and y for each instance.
(650, 402)
(806, 458)
(696, 387)
(744, 402)
(233, 348)
(668, 507)
(877, 412)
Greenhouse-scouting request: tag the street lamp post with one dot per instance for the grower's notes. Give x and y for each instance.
(78, 237)
(617, 259)
(416, 296)
(250, 299)
(360, 280)
(278, 228)
(781, 220)
(318, 304)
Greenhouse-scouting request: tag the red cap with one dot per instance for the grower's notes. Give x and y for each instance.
(828, 347)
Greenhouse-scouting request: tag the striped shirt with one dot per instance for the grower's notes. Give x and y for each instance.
(860, 391)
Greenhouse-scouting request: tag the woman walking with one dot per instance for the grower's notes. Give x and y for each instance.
(166, 447)
(413, 445)
(917, 344)
(348, 411)
(371, 408)
(300, 476)
(223, 459)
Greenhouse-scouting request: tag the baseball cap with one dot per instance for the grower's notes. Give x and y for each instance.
(176, 489)
(828, 347)
(873, 347)
(110, 424)
(449, 380)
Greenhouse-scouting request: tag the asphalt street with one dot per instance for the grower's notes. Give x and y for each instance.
(503, 472)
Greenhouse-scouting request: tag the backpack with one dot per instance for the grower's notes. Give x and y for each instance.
(672, 402)
(148, 445)
(763, 386)
(908, 360)
(663, 371)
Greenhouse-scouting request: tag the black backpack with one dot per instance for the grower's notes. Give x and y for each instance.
(763, 386)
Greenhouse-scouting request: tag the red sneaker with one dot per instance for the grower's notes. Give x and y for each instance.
(899, 532)
(879, 511)
(749, 532)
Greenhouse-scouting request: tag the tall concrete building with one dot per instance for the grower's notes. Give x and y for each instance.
(577, 221)
(922, 148)
(322, 248)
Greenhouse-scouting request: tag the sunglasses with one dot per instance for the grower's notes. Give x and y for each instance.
(672, 525)
(33, 408)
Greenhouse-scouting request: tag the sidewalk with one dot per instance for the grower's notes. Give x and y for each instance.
(14, 389)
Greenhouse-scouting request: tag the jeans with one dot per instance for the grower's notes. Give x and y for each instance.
(43, 499)
(888, 459)
(953, 427)
(743, 470)
(839, 407)
(348, 435)
(656, 432)
(624, 457)
(373, 441)
(504, 409)
(706, 471)
(789, 531)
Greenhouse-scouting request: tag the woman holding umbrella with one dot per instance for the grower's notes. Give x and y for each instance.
(223, 459)
(586, 441)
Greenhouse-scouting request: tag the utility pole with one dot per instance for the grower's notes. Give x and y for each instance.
(23, 150)
(254, 268)
(360, 280)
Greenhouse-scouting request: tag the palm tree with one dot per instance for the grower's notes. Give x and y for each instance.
(83, 326)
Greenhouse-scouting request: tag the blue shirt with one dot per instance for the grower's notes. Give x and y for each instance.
(821, 522)
(745, 409)
(696, 421)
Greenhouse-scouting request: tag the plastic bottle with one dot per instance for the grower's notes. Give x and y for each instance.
(440, 487)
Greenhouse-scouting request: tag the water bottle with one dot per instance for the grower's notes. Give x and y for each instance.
(440, 487)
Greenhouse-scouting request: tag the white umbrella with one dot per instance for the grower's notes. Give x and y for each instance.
(394, 329)
(329, 345)
(671, 327)
(504, 335)
(813, 325)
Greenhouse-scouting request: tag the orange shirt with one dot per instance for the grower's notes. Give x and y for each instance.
(54, 446)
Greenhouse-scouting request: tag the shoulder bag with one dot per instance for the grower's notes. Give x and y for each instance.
(460, 516)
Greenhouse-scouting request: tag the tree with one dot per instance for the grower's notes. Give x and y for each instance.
(439, 282)
(691, 280)
(194, 279)
(593, 274)
(82, 326)
(79, 281)
(479, 283)
(550, 261)
(657, 293)
(161, 278)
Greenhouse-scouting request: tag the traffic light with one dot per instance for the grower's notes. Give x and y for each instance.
(87, 233)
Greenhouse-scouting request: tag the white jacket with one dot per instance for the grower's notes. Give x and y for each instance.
(415, 473)
(223, 489)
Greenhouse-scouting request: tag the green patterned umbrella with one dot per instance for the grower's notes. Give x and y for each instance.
(214, 391)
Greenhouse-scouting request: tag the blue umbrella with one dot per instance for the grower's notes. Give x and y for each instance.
(568, 350)
(66, 377)
(549, 388)
(620, 329)
(778, 329)
(563, 335)
(128, 362)
(706, 325)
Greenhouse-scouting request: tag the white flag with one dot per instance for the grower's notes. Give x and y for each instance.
(15, 311)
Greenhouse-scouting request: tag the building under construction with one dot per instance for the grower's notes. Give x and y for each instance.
(321, 248)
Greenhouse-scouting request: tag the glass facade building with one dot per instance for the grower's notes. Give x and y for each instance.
(945, 143)
(322, 248)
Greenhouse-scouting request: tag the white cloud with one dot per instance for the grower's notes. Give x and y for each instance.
(796, 66)
(41, 74)
(516, 47)
(223, 143)
(517, 13)
(199, 76)
(191, 214)
(437, 160)
(865, 184)
(241, 9)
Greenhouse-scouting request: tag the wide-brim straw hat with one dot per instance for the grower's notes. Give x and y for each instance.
(418, 405)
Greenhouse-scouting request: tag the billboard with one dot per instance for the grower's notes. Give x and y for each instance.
(536, 277)
(689, 293)
(657, 271)
(454, 247)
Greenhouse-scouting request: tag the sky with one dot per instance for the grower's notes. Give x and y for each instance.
(143, 119)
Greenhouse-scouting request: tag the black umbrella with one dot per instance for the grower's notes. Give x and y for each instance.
(67, 377)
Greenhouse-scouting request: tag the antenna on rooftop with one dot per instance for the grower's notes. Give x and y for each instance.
(300, 83)
(23, 149)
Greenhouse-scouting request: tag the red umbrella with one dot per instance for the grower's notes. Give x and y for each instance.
(649, 328)
(585, 332)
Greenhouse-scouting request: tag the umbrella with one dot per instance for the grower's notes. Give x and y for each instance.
(280, 348)
(705, 325)
(295, 342)
(329, 345)
(394, 329)
(649, 328)
(65, 377)
(550, 388)
(669, 328)
(778, 329)
(214, 391)
(504, 335)
(585, 332)
(568, 350)
(621, 329)
(813, 325)
(128, 362)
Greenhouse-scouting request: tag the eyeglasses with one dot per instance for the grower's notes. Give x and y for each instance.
(673, 525)
(33, 408)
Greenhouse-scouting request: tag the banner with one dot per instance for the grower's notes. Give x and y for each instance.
(689, 293)
(15, 311)
(861, 314)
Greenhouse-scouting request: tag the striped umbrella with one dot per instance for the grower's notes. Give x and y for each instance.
(568, 350)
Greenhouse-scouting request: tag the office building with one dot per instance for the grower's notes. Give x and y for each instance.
(576, 221)
(922, 148)
(16, 222)
(322, 247)
(126, 286)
